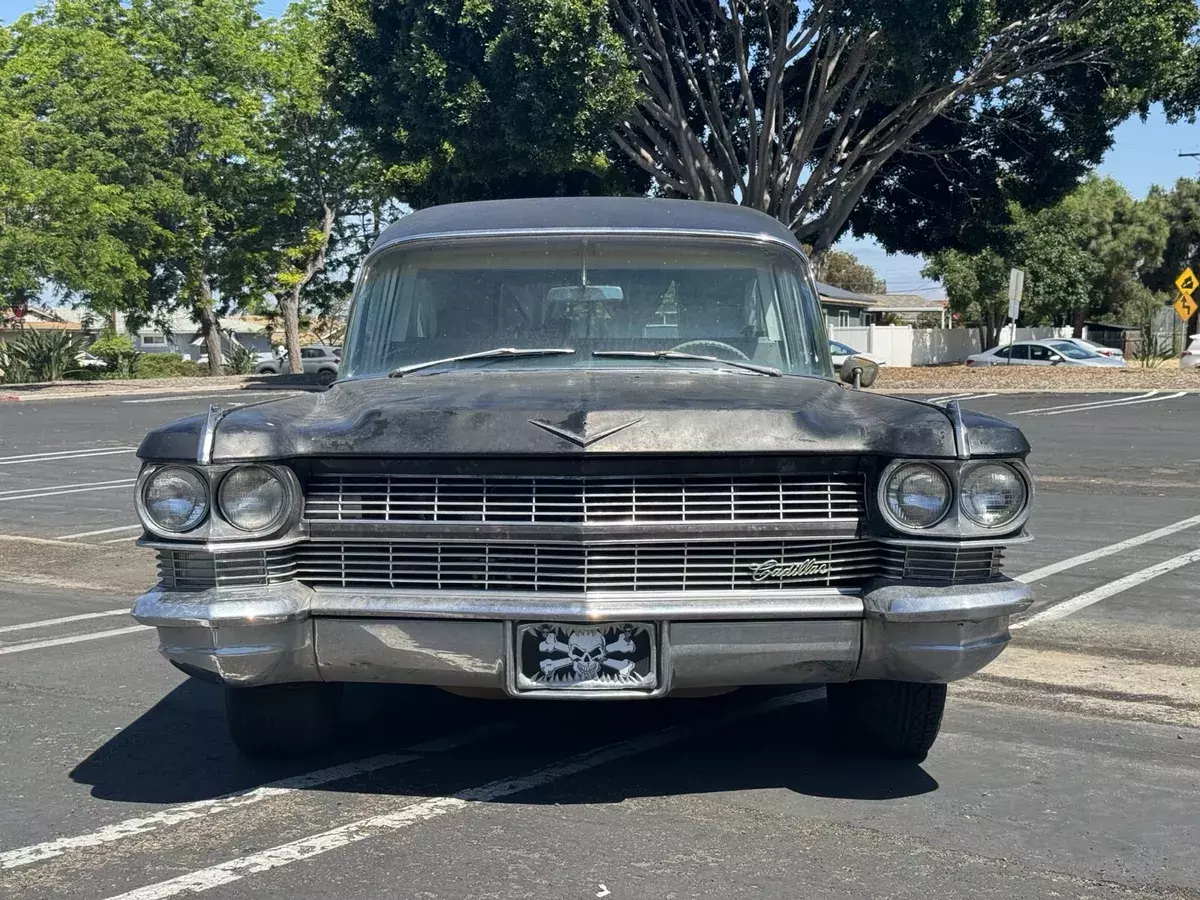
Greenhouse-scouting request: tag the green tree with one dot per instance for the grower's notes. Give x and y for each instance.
(1087, 256)
(1181, 210)
(137, 144)
(976, 288)
(467, 100)
(332, 177)
(842, 269)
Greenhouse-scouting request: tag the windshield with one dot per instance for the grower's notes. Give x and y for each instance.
(1072, 351)
(709, 298)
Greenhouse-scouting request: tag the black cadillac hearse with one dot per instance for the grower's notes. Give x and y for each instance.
(589, 449)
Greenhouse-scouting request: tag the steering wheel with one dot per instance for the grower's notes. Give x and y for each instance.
(692, 346)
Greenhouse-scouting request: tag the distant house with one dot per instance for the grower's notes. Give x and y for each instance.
(846, 309)
(181, 335)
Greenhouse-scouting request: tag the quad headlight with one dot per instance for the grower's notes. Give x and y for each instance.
(992, 494)
(175, 499)
(916, 495)
(253, 498)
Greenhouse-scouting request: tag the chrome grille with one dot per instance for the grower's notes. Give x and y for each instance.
(942, 563)
(189, 570)
(675, 566)
(584, 499)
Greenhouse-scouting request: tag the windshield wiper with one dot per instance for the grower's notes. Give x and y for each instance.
(676, 354)
(497, 353)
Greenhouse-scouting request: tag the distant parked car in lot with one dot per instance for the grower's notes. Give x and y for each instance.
(87, 361)
(1110, 352)
(839, 353)
(1191, 356)
(1054, 352)
(321, 360)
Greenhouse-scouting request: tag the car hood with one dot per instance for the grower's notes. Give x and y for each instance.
(583, 412)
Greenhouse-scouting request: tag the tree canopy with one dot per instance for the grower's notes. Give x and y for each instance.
(914, 121)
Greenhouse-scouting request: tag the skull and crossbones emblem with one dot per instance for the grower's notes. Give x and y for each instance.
(588, 654)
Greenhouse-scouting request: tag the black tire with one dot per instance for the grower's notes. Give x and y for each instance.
(280, 720)
(326, 376)
(896, 719)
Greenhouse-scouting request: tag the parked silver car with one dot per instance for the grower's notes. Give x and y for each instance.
(1052, 352)
(321, 360)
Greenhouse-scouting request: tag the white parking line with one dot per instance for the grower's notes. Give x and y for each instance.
(1092, 555)
(435, 807)
(947, 397)
(63, 455)
(63, 620)
(1067, 607)
(188, 812)
(77, 639)
(1073, 406)
(1121, 403)
(84, 534)
(121, 540)
(8, 496)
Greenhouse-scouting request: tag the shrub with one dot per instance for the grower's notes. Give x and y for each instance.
(167, 365)
(12, 367)
(42, 356)
(118, 354)
(239, 360)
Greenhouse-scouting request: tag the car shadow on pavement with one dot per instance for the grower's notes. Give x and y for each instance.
(178, 751)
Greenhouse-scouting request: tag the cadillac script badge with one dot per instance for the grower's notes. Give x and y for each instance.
(781, 570)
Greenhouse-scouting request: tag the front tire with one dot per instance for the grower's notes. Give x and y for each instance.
(281, 720)
(326, 376)
(896, 719)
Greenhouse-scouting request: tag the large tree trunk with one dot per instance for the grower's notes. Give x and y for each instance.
(291, 328)
(1077, 326)
(291, 298)
(210, 327)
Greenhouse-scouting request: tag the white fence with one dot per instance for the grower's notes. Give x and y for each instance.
(903, 345)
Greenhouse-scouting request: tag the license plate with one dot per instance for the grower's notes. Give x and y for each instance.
(552, 656)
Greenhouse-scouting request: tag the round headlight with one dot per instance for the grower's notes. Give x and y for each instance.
(917, 495)
(253, 498)
(175, 499)
(993, 494)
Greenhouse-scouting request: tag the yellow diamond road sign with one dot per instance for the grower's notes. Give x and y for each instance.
(1185, 306)
(1186, 282)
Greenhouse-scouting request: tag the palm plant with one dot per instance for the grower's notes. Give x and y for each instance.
(41, 356)
(239, 360)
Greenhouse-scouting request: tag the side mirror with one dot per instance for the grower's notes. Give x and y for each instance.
(858, 371)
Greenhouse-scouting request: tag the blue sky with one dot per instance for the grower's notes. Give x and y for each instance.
(1143, 153)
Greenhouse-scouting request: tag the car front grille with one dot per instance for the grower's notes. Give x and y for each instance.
(574, 568)
(584, 500)
(949, 564)
(189, 570)
(744, 565)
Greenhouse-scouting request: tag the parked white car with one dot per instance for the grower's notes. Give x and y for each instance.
(1052, 352)
(1191, 356)
(1110, 352)
(840, 352)
(321, 360)
(87, 361)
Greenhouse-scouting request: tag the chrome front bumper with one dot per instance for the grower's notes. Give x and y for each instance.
(289, 632)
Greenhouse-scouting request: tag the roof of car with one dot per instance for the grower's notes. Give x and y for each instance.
(586, 214)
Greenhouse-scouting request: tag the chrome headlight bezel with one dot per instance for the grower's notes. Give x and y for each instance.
(955, 524)
(148, 477)
(215, 528)
(1017, 517)
(891, 472)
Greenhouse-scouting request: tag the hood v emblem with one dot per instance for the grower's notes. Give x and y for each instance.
(580, 440)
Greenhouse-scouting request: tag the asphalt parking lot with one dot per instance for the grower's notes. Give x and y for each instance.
(1071, 768)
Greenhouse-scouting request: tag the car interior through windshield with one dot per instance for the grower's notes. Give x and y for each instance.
(734, 304)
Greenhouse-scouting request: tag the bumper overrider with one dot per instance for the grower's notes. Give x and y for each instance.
(287, 632)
